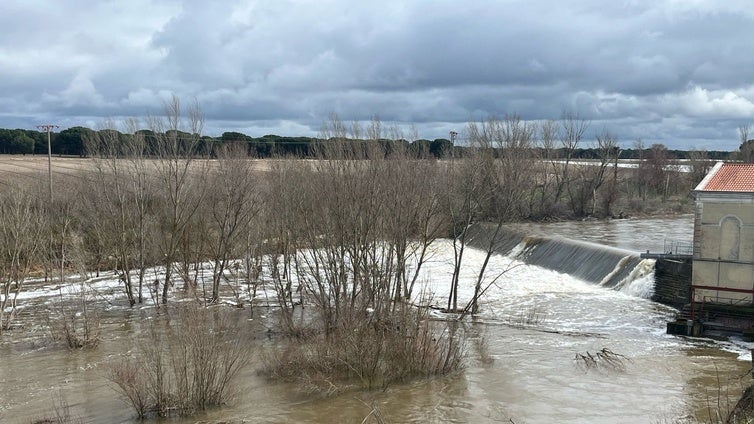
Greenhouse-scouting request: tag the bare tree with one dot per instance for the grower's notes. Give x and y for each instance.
(464, 182)
(108, 204)
(177, 177)
(21, 244)
(117, 208)
(609, 147)
(233, 203)
(591, 177)
(638, 173)
(700, 165)
(352, 216)
(414, 217)
(747, 147)
(141, 181)
(280, 227)
(549, 170)
(340, 213)
(374, 129)
(653, 171)
(505, 147)
(572, 129)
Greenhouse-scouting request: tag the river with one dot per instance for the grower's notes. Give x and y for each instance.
(521, 365)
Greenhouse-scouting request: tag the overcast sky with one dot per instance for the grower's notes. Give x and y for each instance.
(678, 72)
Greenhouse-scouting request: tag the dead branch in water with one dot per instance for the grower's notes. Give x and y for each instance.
(604, 359)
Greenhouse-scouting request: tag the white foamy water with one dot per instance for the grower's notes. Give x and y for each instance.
(569, 303)
(537, 320)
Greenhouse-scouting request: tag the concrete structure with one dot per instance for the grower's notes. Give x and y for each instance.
(723, 257)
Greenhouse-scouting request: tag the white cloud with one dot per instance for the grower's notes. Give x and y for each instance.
(699, 102)
(80, 91)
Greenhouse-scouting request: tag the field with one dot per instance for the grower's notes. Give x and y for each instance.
(19, 170)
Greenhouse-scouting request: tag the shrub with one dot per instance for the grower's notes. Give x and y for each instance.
(184, 368)
(61, 413)
(75, 325)
(369, 353)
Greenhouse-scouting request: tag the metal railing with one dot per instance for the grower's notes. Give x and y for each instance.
(675, 247)
(733, 301)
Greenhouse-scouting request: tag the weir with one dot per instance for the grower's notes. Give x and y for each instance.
(603, 265)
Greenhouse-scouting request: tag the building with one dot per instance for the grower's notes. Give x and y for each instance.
(723, 256)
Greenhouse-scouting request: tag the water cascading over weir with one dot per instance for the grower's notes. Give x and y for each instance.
(603, 265)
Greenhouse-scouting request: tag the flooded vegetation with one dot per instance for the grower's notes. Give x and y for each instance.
(519, 361)
(360, 287)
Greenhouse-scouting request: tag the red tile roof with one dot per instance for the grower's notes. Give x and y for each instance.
(738, 177)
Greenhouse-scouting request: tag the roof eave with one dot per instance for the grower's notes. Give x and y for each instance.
(708, 177)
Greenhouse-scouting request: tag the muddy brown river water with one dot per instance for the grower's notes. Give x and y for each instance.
(518, 370)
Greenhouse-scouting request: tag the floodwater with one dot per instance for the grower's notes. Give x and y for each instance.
(521, 363)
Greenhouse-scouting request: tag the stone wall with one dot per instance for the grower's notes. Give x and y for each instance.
(673, 282)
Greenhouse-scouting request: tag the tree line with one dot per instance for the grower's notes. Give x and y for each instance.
(72, 142)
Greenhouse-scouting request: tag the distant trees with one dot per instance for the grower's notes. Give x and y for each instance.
(653, 171)
(561, 140)
(20, 141)
(746, 148)
(699, 165)
(71, 141)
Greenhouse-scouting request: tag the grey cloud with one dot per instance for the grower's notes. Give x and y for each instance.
(664, 71)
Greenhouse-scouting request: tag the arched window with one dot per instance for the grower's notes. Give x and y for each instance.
(730, 238)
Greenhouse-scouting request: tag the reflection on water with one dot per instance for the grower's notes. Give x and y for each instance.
(521, 359)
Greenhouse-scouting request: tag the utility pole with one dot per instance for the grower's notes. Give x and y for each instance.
(48, 128)
(453, 135)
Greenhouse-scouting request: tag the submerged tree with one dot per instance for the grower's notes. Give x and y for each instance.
(180, 192)
(504, 153)
(118, 206)
(233, 203)
(21, 247)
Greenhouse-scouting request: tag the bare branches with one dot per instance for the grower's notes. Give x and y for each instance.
(234, 202)
(21, 247)
(747, 147)
(604, 359)
(572, 131)
(191, 371)
(180, 192)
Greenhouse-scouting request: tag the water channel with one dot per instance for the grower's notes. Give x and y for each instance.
(521, 358)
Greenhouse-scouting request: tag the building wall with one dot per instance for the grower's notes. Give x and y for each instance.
(724, 246)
